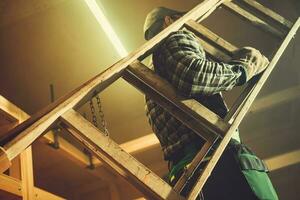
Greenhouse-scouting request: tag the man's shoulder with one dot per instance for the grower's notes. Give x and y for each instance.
(183, 33)
(180, 38)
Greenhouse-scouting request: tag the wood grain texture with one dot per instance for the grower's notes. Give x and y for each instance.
(269, 13)
(27, 174)
(253, 19)
(127, 166)
(190, 112)
(204, 32)
(14, 186)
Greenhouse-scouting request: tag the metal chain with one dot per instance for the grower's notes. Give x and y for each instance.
(94, 118)
(101, 115)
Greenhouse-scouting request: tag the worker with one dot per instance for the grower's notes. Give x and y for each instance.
(181, 60)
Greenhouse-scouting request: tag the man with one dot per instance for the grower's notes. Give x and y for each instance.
(181, 60)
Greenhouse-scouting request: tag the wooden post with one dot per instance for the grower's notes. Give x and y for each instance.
(14, 186)
(27, 174)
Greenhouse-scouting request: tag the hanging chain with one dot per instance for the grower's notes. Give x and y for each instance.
(94, 118)
(101, 115)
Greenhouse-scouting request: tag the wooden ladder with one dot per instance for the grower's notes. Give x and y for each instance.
(197, 117)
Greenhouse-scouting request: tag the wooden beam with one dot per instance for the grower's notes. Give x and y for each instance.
(140, 144)
(14, 186)
(14, 113)
(269, 13)
(276, 98)
(123, 163)
(40, 194)
(10, 184)
(27, 174)
(253, 19)
(26, 167)
(283, 160)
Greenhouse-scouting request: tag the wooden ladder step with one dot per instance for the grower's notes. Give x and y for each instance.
(269, 13)
(190, 112)
(112, 154)
(213, 52)
(205, 33)
(253, 19)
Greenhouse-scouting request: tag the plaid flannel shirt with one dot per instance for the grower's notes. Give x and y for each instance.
(181, 60)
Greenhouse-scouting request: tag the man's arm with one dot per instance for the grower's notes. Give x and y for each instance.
(192, 74)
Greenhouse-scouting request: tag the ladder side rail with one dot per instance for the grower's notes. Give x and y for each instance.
(269, 13)
(112, 154)
(217, 154)
(242, 98)
(193, 166)
(31, 132)
(24, 134)
(253, 19)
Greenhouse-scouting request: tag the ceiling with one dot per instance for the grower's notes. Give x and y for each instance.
(59, 42)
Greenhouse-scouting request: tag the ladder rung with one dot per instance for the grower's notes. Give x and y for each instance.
(269, 13)
(215, 53)
(112, 154)
(253, 19)
(190, 112)
(202, 31)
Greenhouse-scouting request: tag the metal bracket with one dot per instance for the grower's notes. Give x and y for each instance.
(55, 143)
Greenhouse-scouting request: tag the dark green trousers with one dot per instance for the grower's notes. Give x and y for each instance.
(227, 181)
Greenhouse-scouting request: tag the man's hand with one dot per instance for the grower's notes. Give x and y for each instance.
(253, 61)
